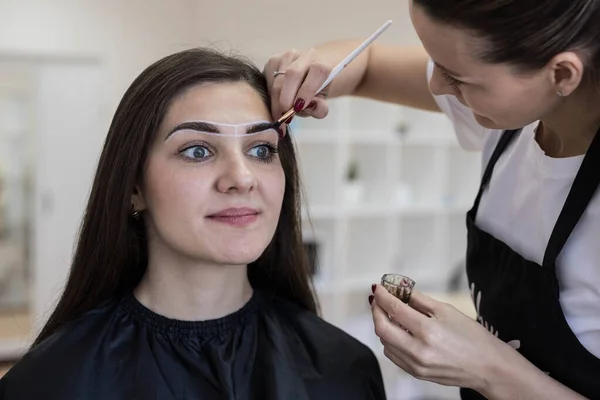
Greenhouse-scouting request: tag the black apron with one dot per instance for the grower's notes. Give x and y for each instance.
(518, 300)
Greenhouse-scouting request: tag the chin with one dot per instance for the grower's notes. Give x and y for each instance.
(238, 254)
(236, 259)
(490, 124)
(485, 122)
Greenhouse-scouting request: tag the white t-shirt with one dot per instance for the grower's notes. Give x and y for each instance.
(526, 194)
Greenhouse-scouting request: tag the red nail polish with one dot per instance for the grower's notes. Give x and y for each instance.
(373, 287)
(312, 105)
(298, 105)
(371, 297)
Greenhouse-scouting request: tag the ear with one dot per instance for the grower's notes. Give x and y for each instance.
(137, 199)
(566, 72)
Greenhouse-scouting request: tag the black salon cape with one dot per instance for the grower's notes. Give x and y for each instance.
(269, 349)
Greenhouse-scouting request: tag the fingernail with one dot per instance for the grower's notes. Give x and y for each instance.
(373, 287)
(371, 297)
(289, 120)
(312, 105)
(298, 105)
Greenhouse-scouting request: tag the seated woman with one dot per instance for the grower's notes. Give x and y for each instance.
(189, 280)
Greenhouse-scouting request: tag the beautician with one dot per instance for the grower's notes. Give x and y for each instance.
(520, 81)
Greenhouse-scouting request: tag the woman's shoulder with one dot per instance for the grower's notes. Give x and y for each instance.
(54, 367)
(336, 348)
(334, 361)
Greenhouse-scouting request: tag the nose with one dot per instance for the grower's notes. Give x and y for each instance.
(438, 85)
(236, 175)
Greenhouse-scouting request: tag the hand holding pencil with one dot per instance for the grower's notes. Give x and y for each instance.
(299, 83)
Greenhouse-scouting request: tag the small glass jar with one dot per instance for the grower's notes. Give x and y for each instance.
(398, 285)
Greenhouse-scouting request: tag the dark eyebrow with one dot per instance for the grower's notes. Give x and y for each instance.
(210, 128)
(194, 126)
(261, 127)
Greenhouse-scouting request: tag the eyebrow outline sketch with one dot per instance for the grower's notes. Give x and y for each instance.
(201, 126)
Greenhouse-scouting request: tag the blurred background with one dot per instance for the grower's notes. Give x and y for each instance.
(387, 187)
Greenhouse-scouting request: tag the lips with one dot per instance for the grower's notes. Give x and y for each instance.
(236, 216)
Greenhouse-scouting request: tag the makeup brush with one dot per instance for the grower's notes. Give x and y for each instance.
(339, 68)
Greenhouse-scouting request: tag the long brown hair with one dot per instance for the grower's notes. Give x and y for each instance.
(111, 255)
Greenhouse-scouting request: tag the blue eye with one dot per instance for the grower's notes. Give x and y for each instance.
(196, 152)
(263, 152)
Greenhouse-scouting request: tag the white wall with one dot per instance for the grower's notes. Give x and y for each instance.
(130, 34)
(126, 34)
(259, 28)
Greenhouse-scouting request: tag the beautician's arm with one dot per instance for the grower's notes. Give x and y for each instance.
(389, 73)
(397, 75)
(522, 380)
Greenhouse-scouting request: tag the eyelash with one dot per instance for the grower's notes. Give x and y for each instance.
(450, 79)
(273, 150)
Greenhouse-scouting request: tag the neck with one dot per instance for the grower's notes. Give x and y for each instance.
(570, 128)
(189, 290)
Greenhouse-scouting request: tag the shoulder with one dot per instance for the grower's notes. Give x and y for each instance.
(337, 355)
(323, 334)
(52, 368)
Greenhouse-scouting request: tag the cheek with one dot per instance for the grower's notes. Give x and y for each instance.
(519, 100)
(484, 106)
(272, 187)
(172, 190)
(504, 105)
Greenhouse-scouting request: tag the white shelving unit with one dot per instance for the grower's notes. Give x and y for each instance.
(416, 184)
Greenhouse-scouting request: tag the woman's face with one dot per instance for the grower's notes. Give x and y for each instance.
(211, 197)
(498, 97)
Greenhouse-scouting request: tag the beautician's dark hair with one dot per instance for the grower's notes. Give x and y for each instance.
(111, 253)
(526, 33)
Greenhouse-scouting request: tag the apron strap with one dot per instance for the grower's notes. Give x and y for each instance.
(581, 193)
(505, 139)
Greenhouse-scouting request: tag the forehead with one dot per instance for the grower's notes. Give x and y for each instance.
(447, 45)
(226, 103)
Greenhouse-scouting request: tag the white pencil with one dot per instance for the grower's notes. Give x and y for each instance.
(339, 68)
